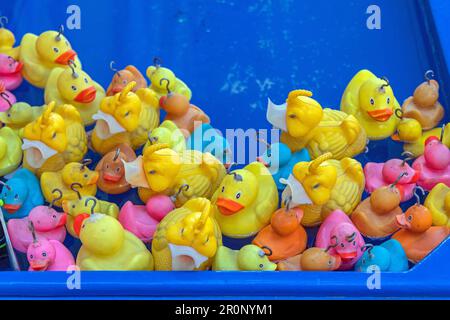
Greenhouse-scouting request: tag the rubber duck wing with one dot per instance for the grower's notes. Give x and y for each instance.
(77, 143)
(51, 92)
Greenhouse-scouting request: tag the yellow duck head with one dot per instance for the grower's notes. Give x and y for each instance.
(310, 182)
(408, 130)
(162, 79)
(7, 40)
(10, 151)
(53, 48)
(75, 172)
(298, 116)
(118, 113)
(75, 85)
(376, 99)
(156, 169)
(19, 115)
(44, 137)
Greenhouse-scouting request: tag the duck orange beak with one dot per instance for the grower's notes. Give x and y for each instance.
(87, 95)
(111, 177)
(381, 115)
(62, 221)
(38, 265)
(65, 57)
(78, 222)
(347, 255)
(11, 208)
(228, 207)
(18, 67)
(402, 222)
(395, 137)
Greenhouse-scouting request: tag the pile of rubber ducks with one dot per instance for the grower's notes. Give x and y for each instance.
(180, 167)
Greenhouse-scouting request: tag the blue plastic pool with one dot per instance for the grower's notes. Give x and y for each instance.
(235, 54)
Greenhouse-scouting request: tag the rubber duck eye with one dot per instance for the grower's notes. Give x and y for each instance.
(152, 171)
(74, 88)
(388, 100)
(31, 256)
(86, 80)
(342, 245)
(107, 166)
(54, 135)
(126, 114)
(223, 189)
(372, 101)
(16, 197)
(85, 175)
(117, 169)
(292, 116)
(44, 254)
(55, 49)
(238, 195)
(409, 218)
(316, 186)
(73, 206)
(354, 243)
(124, 81)
(9, 115)
(330, 262)
(261, 266)
(54, 216)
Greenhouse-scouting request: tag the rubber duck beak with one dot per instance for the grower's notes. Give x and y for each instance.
(87, 95)
(19, 67)
(11, 208)
(162, 100)
(62, 221)
(111, 177)
(347, 255)
(78, 222)
(395, 137)
(402, 222)
(228, 207)
(65, 57)
(381, 115)
(39, 265)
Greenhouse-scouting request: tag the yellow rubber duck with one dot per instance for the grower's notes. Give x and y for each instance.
(323, 185)
(245, 200)
(438, 202)
(163, 81)
(7, 40)
(73, 180)
(410, 132)
(10, 151)
(86, 204)
(106, 245)
(160, 170)
(125, 118)
(372, 101)
(306, 125)
(187, 238)
(169, 133)
(74, 86)
(19, 115)
(55, 138)
(40, 54)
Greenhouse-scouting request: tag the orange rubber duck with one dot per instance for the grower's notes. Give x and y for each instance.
(123, 77)
(284, 237)
(312, 259)
(418, 237)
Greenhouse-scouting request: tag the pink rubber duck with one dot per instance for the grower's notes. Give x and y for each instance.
(48, 224)
(434, 164)
(142, 220)
(48, 255)
(7, 99)
(10, 72)
(393, 172)
(340, 237)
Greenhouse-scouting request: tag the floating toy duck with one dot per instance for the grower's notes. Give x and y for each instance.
(438, 202)
(48, 224)
(10, 151)
(248, 258)
(49, 255)
(106, 245)
(75, 87)
(323, 185)
(10, 72)
(123, 77)
(306, 125)
(7, 99)
(395, 172)
(163, 81)
(169, 133)
(7, 40)
(160, 170)
(245, 200)
(207, 139)
(388, 257)
(312, 259)
(186, 116)
(338, 232)
(375, 217)
(424, 105)
(40, 54)
(280, 161)
(111, 170)
(142, 220)
(19, 115)
(54, 139)
(73, 175)
(187, 238)
(371, 100)
(125, 118)
(81, 205)
(434, 164)
(20, 194)
(417, 237)
(285, 237)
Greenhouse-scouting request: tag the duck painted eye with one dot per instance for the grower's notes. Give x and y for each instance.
(330, 262)
(261, 266)
(31, 256)
(238, 195)
(126, 114)
(16, 197)
(118, 169)
(86, 80)
(107, 166)
(372, 101)
(85, 175)
(152, 171)
(44, 254)
(73, 206)
(354, 243)
(292, 116)
(74, 88)
(316, 186)
(388, 100)
(124, 81)
(54, 135)
(409, 218)
(54, 216)
(223, 189)
(55, 49)
(342, 245)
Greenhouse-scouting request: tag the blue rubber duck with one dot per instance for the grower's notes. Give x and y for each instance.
(20, 194)
(388, 256)
(207, 139)
(280, 161)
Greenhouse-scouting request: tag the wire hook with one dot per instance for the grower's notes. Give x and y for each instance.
(60, 32)
(416, 195)
(57, 198)
(76, 184)
(72, 66)
(167, 84)
(3, 21)
(111, 66)
(93, 207)
(429, 75)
